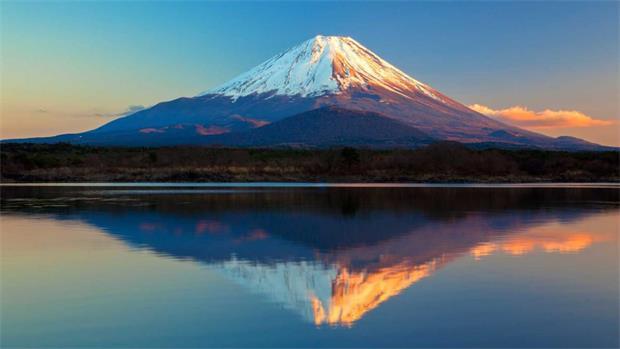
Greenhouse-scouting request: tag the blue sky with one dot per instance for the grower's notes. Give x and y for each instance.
(70, 66)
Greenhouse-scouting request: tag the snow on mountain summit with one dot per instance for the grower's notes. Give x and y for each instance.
(323, 65)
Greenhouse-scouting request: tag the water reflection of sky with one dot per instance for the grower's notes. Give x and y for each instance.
(342, 264)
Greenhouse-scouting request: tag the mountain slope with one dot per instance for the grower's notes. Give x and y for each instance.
(328, 127)
(323, 127)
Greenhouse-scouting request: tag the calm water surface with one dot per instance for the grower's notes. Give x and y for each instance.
(200, 266)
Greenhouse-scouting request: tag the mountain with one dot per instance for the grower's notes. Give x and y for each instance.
(329, 126)
(325, 71)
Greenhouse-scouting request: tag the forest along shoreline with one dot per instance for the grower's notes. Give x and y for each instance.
(436, 163)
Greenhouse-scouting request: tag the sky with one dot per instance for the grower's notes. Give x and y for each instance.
(548, 66)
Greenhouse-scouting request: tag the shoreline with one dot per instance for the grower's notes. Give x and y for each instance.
(317, 184)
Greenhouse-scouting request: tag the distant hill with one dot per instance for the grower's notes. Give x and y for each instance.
(330, 126)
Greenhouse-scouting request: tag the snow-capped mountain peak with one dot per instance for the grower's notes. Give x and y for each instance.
(323, 65)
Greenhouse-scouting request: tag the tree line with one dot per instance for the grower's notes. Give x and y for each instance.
(439, 162)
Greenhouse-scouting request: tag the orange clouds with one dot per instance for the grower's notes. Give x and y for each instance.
(547, 241)
(521, 116)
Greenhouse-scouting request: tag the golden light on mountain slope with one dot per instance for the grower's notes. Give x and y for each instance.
(356, 293)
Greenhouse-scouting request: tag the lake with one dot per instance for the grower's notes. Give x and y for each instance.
(247, 265)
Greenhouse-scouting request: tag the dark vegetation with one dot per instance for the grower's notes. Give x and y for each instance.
(440, 162)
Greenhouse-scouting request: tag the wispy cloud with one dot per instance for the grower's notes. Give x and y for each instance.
(522, 116)
(93, 113)
(129, 110)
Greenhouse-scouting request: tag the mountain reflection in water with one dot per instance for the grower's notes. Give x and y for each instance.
(331, 255)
